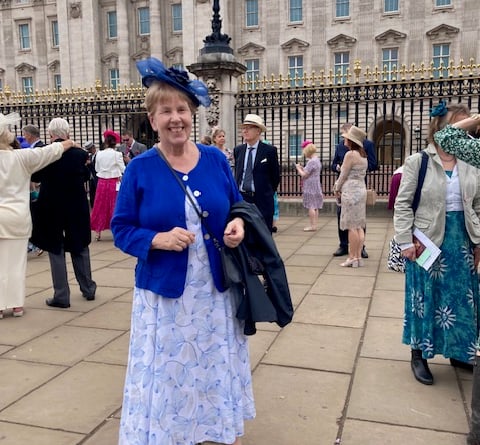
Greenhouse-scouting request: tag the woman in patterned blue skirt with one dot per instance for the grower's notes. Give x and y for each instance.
(442, 310)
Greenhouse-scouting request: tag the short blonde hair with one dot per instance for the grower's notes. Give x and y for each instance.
(158, 91)
(309, 150)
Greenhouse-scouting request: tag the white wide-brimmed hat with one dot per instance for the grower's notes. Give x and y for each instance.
(256, 120)
(356, 135)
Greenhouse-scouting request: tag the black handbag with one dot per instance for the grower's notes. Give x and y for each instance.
(231, 270)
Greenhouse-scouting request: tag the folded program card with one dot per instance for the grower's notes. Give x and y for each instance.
(426, 251)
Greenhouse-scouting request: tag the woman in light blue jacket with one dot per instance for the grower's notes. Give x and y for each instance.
(442, 310)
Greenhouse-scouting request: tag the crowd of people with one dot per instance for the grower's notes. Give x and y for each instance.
(171, 209)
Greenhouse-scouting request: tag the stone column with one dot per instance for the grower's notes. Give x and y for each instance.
(156, 49)
(124, 28)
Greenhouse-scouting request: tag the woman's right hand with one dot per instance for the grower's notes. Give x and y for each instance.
(177, 239)
(410, 253)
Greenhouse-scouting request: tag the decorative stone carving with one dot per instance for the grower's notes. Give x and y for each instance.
(341, 41)
(442, 32)
(54, 66)
(251, 49)
(4, 4)
(111, 60)
(175, 55)
(25, 68)
(390, 36)
(295, 45)
(213, 111)
(75, 10)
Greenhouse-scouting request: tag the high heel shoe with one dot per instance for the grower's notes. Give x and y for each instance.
(98, 237)
(350, 262)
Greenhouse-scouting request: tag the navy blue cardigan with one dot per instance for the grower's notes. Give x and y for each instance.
(150, 201)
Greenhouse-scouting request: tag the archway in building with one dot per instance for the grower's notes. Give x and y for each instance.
(389, 137)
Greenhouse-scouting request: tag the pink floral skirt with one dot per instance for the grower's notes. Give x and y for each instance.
(104, 206)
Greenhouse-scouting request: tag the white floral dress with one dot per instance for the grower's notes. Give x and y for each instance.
(188, 377)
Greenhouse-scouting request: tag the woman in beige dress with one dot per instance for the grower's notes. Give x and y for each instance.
(351, 191)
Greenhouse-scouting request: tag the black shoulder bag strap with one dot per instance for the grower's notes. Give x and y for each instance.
(421, 177)
(182, 185)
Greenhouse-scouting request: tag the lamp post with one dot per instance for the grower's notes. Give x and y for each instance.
(216, 42)
(418, 136)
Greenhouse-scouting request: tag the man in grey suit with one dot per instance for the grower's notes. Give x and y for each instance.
(130, 147)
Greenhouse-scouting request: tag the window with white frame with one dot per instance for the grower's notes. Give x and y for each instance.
(177, 24)
(57, 82)
(251, 13)
(390, 6)
(342, 8)
(340, 66)
(144, 21)
(441, 59)
(112, 31)
(178, 66)
(440, 3)
(253, 72)
(1, 84)
(24, 36)
(295, 69)
(27, 85)
(389, 62)
(55, 36)
(295, 145)
(114, 78)
(295, 10)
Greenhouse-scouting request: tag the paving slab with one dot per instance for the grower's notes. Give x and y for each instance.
(12, 434)
(370, 433)
(114, 353)
(107, 434)
(77, 399)
(383, 391)
(351, 285)
(296, 406)
(65, 345)
(387, 303)
(333, 310)
(315, 347)
(111, 315)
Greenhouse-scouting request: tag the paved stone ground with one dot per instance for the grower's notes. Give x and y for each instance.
(338, 371)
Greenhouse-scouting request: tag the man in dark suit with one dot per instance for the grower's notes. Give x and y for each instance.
(130, 147)
(340, 151)
(257, 170)
(31, 133)
(62, 222)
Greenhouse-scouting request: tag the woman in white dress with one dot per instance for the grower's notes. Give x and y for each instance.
(16, 167)
(188, 377)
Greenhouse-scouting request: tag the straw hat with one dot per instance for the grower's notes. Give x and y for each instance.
(254, 119)
(356, 135)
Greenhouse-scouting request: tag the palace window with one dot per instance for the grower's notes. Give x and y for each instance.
(390, 6)
(295, 145)
(390, 62)
(296, 10)
(295, 69)
(253, 72)
(342, 8)
(113, 78)
(440, 3)
(57, 82)
(27, 85)
(55, 36)
(112, 32)
(177, 24)
(441, 59)
(143, 21)
(342, 62)
(24, 35)
(251, 13)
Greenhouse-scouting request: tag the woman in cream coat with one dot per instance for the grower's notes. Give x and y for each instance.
(442, 310)
(16, 168)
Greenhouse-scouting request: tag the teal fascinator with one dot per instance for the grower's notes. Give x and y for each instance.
(439, 110)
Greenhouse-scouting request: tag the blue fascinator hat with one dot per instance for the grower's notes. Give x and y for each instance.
(439, 110)
(152, 70)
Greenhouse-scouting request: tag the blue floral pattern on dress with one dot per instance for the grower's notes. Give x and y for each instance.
(444, 302)
(188, 376)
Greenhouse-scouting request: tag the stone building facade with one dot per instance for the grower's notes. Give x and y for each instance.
(47, 44)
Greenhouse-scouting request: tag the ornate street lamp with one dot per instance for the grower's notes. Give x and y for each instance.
(216, 42)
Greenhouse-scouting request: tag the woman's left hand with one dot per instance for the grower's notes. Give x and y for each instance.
(476, 256)
(234, 233)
